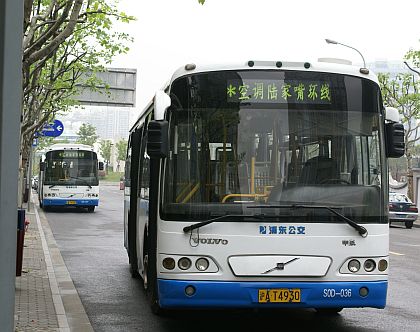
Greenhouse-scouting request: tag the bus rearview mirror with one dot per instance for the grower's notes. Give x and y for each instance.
(41, 166)
(395, 146)
(157, 139)
(101, 165)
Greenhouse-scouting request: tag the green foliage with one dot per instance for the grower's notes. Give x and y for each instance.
(121, 149)
(87, 134)
(105, 148)
(403, 93)
(201, 2)
(65, 43)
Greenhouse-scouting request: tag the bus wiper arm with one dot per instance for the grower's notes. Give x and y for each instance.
(360, 229)
(189, 228)
(85, 181)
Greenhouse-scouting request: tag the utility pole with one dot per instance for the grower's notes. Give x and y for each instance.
(11, 23)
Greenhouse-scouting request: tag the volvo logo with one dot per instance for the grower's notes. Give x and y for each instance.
(280, 266)
(210, 241)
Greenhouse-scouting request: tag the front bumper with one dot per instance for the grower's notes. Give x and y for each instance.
(70, 202)
(223, 294)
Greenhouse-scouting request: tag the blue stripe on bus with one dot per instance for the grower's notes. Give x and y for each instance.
(221, 294)
(65, 202)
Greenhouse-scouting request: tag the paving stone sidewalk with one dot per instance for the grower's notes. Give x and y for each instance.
(45, 296)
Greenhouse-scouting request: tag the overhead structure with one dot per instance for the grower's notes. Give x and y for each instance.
(117, 88)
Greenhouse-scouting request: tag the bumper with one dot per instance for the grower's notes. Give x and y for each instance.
(70, 202)
(401, 217)
(245, 294)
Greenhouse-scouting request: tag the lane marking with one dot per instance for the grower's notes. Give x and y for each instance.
(396, 253)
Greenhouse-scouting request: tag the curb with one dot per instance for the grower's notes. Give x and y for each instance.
(71, 314)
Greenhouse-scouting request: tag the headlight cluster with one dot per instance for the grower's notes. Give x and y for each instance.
(92, 195)
(187, 264)
(51, 195)
(363, 265)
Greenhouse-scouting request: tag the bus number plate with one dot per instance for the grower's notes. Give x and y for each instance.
(280, 295)
(71, 202)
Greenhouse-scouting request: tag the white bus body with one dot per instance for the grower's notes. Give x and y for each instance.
(285, 166)
(69, 177)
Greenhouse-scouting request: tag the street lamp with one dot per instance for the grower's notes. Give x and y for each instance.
(418, 73)
(363, 70)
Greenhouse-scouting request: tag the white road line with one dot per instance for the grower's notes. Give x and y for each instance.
(396, 253)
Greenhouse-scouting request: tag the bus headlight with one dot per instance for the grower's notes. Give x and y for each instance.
(354, 265)
(202, 264)
(168, 263)
(382, 265)
(369, 265)
(184, 263)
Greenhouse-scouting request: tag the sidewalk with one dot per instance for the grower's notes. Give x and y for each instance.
(45, 297)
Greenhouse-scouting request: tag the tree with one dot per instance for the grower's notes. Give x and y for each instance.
(65, 43)
(121, 151)
(403, 93)
(87, 134)
(105, 148)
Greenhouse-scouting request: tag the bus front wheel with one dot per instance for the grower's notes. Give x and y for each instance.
(91, 208)
(150, 283)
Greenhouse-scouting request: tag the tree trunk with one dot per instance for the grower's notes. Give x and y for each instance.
(409, 176)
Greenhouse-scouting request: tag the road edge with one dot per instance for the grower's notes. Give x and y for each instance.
(71, 314)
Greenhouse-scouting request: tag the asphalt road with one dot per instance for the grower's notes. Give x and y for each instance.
(92, 247)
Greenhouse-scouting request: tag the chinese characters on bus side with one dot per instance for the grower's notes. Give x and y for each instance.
(268, 91)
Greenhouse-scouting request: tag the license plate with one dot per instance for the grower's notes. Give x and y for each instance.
(71, 202)
(280, 295)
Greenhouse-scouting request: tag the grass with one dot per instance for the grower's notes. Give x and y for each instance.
(112, 176)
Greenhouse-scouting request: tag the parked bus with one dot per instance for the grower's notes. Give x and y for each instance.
(262, 185)
(69, 177)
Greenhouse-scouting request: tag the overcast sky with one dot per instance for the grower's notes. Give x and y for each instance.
(170, 33)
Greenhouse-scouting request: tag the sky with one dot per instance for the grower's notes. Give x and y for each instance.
(170, 33)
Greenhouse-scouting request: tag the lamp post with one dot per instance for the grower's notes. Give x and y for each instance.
(363, 70)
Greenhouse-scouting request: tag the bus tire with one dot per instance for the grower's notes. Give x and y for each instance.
(409, 224)
(328, 311)
(132, 252)
(91, 208)
(150, 283)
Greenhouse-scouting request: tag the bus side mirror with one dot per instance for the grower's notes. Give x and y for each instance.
(394, 143)
(101, 165)
(41, 166)
(161, 103)
(157, 139)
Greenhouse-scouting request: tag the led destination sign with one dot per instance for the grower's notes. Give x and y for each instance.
(275, 91)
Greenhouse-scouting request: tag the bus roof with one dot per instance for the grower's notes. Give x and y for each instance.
(321, 66)
(69, 146)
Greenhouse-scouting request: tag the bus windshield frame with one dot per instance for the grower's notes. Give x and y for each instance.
(233, 145)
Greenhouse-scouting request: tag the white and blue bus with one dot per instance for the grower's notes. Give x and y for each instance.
(69, 177)
(262, 185)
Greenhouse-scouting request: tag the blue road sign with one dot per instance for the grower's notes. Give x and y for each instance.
(53, 129)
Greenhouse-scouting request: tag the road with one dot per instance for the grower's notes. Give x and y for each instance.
(92, 247)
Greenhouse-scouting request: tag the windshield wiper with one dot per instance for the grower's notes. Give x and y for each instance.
(85, 181)
(202, 223)
(360, 229)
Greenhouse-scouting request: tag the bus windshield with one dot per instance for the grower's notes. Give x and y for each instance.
(249, 138)
(68, 167)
